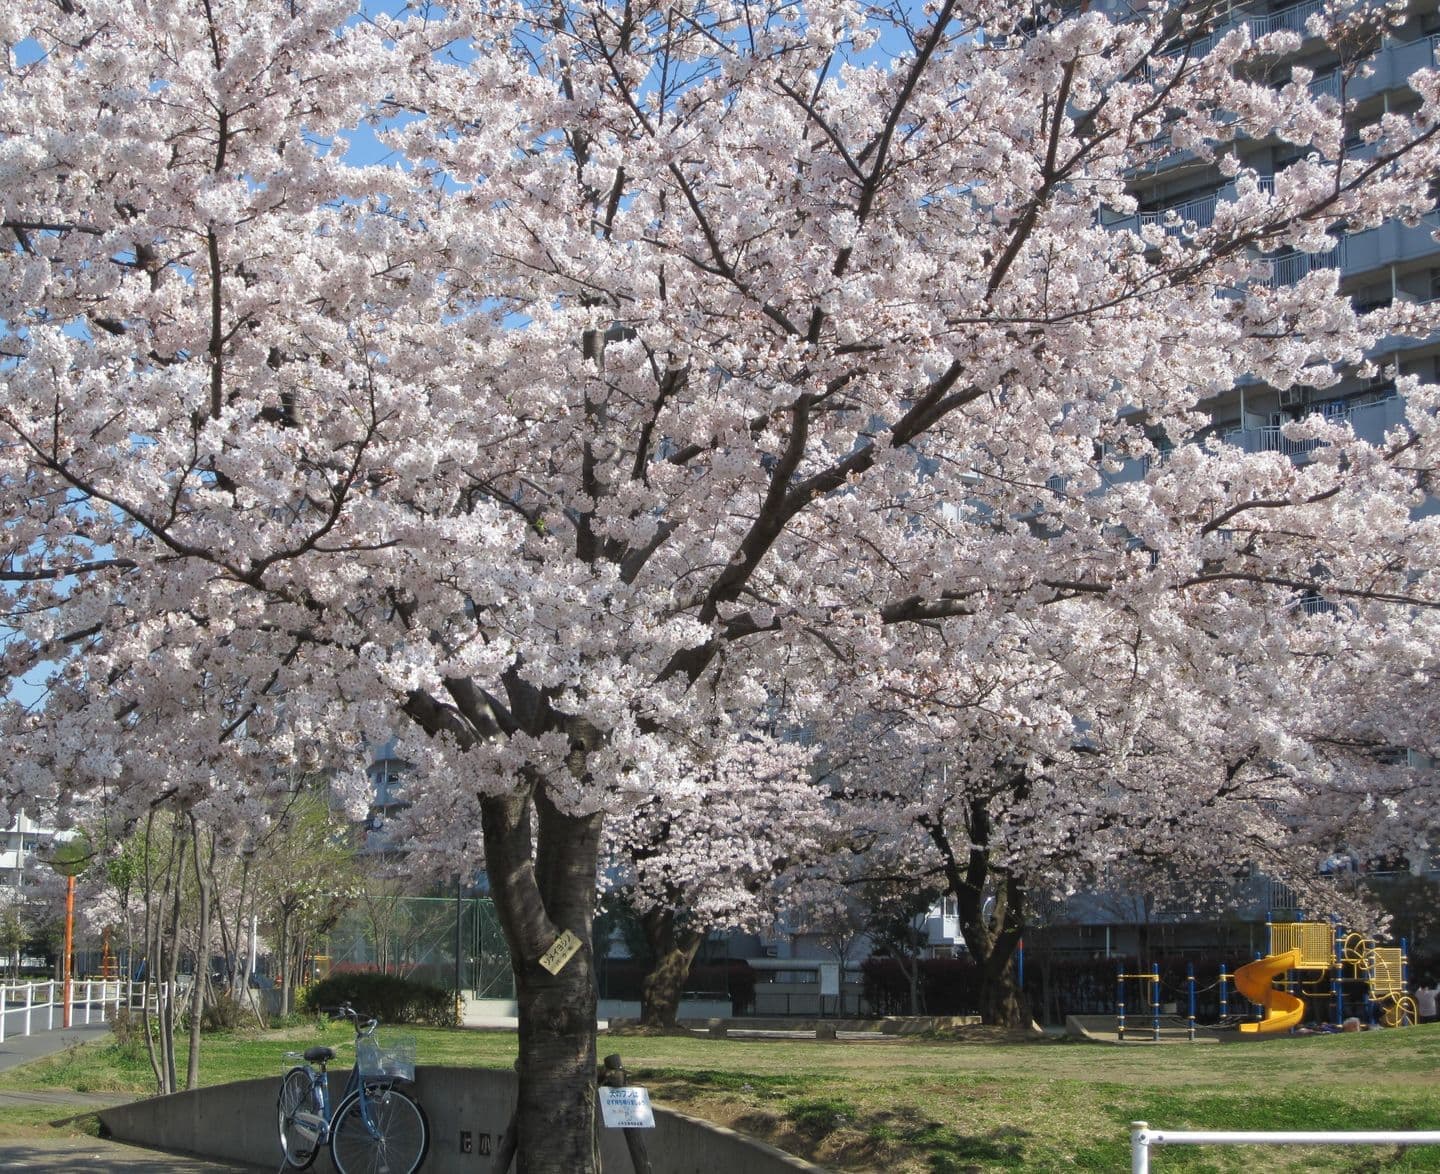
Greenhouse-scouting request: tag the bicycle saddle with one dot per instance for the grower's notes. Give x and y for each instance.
(319, 1054)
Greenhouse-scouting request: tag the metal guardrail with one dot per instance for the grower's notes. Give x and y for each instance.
(1143, 1138)
(91, 1000)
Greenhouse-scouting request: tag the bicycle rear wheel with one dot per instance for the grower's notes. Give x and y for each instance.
(296, 1141)
(392, 1142)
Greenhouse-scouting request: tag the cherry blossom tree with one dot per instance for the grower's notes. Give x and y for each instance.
(1083, 749)
(661, 347)
(713, 854)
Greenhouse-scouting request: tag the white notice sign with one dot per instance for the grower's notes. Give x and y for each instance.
(829, 980)
(626, 1108)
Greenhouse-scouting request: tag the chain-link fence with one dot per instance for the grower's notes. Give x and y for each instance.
(416, 937)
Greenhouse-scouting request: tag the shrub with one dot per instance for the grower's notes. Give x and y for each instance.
(223, 1014)
(388, 997)
(128, 1027)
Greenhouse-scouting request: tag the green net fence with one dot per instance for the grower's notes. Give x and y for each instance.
(416, 937)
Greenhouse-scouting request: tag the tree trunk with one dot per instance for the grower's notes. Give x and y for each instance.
(282, 979)
(1001, 1000)
(170, 952)
(198, 991)
(674, 951)
(910, 967)
(153, 914)
(993, 934)
(993, 937)
(538, 898)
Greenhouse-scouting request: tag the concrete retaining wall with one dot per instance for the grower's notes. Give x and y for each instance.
(237, 1121)
(478, 1010)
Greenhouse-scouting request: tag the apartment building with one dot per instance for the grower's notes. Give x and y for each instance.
(1379, 266)
(387, 772)
(18, 844)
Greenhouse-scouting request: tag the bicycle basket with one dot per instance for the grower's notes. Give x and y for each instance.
(395, 1061)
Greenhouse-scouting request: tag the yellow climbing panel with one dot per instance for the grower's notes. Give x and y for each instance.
(1314, 939)
(1387, 976)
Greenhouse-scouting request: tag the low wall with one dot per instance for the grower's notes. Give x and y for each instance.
(476, 1010)
(689, 1009)
(237, 1122)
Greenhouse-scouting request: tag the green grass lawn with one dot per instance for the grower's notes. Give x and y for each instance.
(918, 1105)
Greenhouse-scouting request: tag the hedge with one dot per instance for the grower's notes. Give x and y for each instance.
(388, 997)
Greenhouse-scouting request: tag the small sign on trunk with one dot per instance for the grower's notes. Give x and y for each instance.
(561, 950)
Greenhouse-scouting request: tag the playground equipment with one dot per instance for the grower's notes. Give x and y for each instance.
(1327, 959)
(1332, 956)
(1256, 982)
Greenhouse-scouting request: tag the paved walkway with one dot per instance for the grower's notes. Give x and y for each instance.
(89, 1155)
(20, 1049)
(84, 1155)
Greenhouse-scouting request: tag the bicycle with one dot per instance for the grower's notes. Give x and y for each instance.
(373, 1128)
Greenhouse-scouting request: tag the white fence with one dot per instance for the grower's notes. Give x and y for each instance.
(1142, 1138)
(40, 1006)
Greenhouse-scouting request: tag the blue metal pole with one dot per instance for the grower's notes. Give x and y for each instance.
(1401, 1021)
(1120, 1002)
(1190, 986)
(1259, 1010)
(1224, 993)
(1155, 997)
(1337, 984)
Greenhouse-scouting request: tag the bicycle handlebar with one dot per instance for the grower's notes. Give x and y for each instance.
(358, 1018)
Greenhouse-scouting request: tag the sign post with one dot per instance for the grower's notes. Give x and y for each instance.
(625, 1107)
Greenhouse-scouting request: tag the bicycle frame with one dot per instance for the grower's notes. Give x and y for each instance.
(371, 1122)
(354, 1083)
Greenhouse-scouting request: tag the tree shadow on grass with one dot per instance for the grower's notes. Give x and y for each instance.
(948, 1151)
(830, 1130)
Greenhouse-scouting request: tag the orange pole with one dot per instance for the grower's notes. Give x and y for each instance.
(69, 940)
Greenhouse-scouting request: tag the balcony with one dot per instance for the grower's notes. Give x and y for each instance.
(1197, 213)
(1387, 244)
(1287, 20)
(1369, 421)
(1288, 268)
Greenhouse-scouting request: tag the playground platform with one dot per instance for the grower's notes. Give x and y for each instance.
(1101, 1029)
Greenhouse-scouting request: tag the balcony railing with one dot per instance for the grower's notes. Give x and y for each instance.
(1291, 267)
(1326, 83)
(1199, 212)
(1292, 19)
(1369, 421)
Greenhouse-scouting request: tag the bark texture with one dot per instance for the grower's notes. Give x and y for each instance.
(673, 948)
(537, 897)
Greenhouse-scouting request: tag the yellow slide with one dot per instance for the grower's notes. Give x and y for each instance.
(1282, 1009)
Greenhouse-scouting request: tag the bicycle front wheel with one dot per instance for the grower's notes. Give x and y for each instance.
(385, 1134)
(296, 1141)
